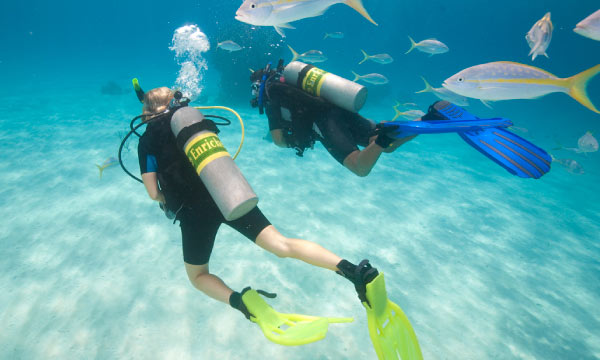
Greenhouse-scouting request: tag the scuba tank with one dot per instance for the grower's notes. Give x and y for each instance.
(337, 90)
(213, 164)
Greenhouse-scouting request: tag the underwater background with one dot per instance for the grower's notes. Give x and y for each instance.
(486, 265)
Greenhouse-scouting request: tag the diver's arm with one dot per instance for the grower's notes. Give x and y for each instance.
(361, 162)
(151, 183)
(278, 138)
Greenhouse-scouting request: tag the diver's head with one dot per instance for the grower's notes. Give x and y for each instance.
(156, 101)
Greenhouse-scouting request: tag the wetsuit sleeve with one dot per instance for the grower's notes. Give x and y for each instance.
(146, 159)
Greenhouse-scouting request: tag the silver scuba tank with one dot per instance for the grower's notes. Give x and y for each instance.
(215, 167)
(337, 90)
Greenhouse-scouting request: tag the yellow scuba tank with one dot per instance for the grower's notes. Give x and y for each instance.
(215, 167)
(337, 90)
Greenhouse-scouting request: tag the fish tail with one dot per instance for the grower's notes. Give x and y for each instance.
(356, 76)
(412, 45)
(428, 87)
(294, 53)
(365, 55)
(326, 36)
(101, 168)
(359, 7)
(578, 87)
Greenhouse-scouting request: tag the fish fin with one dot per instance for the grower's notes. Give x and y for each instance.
(546, 55)
(286, 26)
(294, 54)
(252, 71)
(359, 7)
(101, 168)
(356, 76)
(326, 36)
(578, 87)
(365, 55)
(412, 45)
(279, 31)
(428, 87)
(486, 103)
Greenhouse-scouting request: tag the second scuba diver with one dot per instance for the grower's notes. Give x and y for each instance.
(298, 118)
(171, 179)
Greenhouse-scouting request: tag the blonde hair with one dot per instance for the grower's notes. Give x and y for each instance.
(156, 101)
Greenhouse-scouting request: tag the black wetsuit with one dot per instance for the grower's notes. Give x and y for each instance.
(198, 215)
(339, 130)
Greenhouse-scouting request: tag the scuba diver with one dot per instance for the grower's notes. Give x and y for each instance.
(305, 104)
(174, 172)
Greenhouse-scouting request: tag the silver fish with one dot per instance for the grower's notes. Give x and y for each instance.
(374, 78)
(229, 46)
(590, 26)
(379, 58)
(505, 80)
(111, 161)
(444, 94)
(539, 37)
(279, 13)
(586, 144)
(311, 56)
(571, 165)
(429, 46)
(335, 35)
(409, 115)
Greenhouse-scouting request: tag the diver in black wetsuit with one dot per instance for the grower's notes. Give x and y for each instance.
(297, 120)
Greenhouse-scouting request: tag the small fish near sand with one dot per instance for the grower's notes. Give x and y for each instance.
(429, 46)
(311, 56)
(505, 80)
(112, 88)
(590, 26)
(111, 161)
(539, 37)
(373, 78)
(444, 94)
(334, 35)
(379, 58)
(280, 13)
(571, 165)
(229, 46)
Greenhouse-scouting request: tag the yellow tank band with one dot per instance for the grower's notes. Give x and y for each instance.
(313, 81)
(204, 149)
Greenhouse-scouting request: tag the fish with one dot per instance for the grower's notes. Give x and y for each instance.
(444, 94)
(539, 37)
(585, 144)
(379, 58)
(410, 114)
(429, 46)
(571, 165)
(335, 35)
(229, 46)
(505, 80)
(279, 13)
(374, 78)
(311, 56)
(107, 163)
(590, 26)
(112, 88)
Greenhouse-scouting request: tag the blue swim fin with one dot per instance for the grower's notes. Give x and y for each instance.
(512, 152)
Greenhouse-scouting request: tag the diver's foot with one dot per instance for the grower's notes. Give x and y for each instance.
(433, 113)
(360, 275)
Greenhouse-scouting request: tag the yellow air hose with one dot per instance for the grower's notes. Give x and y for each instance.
(234, 113)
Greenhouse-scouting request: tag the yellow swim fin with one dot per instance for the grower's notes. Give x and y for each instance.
(287, 329)
(391, 333)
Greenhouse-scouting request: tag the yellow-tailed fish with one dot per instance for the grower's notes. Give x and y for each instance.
(444, 94)
(429, 46)
(279, 13)
(410, 114)
(374, 78)
(379, 58)
(571, 165)
(539, 37)
(311, 56)
(590, 26)
(107, 163)
(505, 80)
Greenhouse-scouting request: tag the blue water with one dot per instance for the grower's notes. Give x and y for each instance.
(485, 265)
